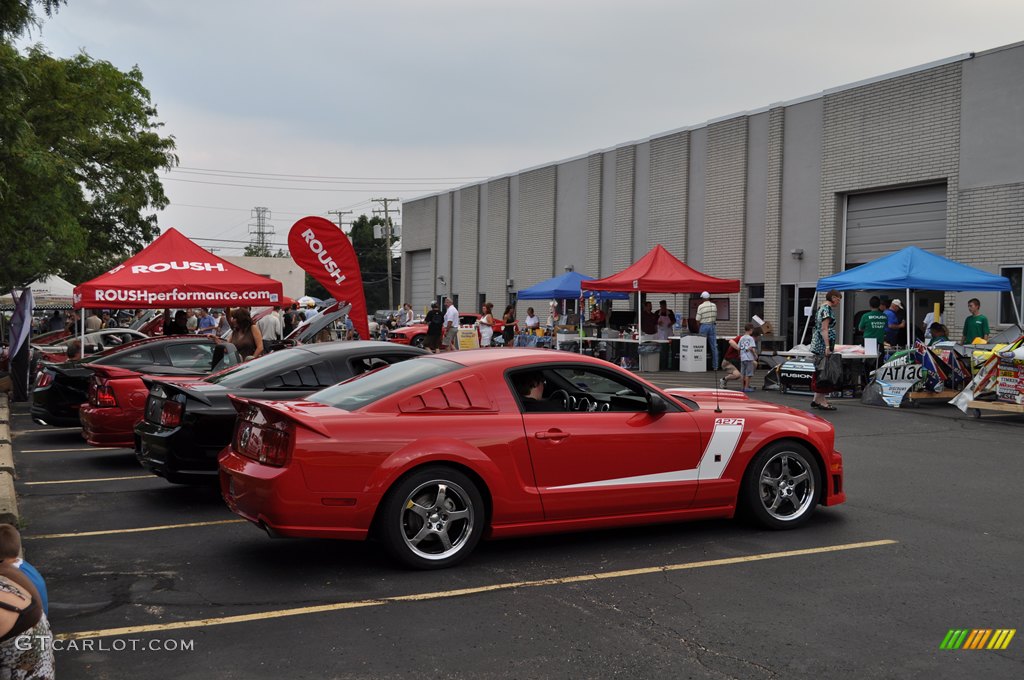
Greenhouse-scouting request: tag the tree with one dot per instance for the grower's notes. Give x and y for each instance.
(372, 255)
(79, 154)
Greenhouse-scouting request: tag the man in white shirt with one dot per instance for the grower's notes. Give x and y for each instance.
(450, 331)
(707, 317)
(270, 325)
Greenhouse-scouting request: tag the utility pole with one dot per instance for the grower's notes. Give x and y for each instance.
(261, 231)
(339, 213)
(387, 242)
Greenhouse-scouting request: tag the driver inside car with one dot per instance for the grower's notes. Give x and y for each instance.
(530, 387)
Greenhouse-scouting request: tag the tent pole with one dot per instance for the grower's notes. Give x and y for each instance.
(1016, 309)
(809, 316)
(908, 318)
(81, 348)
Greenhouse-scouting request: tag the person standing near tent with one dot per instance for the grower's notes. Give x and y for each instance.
(873, 323)
(896, 323)
(976, 325)
(245, 335)
(822, 344)
(707, 317)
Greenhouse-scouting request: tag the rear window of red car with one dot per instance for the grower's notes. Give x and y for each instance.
(370, 387)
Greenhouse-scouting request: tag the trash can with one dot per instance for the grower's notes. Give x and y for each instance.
(693, 354)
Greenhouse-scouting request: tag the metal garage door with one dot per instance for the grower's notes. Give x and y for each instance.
(422, 292)
(883, 222)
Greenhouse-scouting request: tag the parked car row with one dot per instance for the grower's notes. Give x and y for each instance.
(432, 453)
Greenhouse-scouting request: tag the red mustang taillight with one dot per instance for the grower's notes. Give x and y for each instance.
(170, 413)
(103, 397)
(45, 379)
(267, 444)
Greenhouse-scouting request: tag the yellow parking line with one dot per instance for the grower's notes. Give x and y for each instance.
(134, 531)
(87, 448)
(95, 479)
(420, 597)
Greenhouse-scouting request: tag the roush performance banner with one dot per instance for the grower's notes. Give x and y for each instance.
(323, 250)
(174, 272)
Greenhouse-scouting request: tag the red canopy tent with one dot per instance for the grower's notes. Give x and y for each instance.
(173, 271)
(659, 271)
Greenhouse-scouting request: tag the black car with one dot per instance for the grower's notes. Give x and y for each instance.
(61, 389)
(188, 424)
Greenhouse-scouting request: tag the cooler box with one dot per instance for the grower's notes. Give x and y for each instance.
(693, 353)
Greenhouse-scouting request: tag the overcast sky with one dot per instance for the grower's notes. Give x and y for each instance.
(400, 98)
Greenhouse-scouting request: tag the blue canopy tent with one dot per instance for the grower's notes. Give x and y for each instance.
(564, 287)
(915, 269)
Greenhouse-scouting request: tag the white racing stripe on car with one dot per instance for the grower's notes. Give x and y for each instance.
(724, 440)
(656, 478)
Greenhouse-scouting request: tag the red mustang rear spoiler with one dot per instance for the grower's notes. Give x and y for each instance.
(302, 413)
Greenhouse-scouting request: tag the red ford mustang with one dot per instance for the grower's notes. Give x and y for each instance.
(434, 453)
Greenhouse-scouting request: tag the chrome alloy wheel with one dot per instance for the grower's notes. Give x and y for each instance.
(786, 486)
(437, 520)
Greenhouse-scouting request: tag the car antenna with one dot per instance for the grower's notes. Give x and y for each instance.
(718, 404)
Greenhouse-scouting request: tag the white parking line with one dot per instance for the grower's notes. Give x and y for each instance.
(87, 448)
(111, 532)
(422, 597)
(95, 479)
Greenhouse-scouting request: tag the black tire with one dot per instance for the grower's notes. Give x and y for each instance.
(419, 341)
(427, 527)
(781, 486)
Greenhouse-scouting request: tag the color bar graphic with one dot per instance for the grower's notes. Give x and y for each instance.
(978, 638)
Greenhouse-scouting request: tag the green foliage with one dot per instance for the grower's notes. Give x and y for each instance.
(79, 154)
(18, 16)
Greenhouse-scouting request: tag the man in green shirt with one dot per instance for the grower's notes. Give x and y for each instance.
(873, 322)
(976, 325)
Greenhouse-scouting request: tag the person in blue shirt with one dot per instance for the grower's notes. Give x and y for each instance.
(10, 555)
(207, 324)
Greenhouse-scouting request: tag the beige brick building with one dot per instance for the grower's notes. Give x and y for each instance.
(931, 156)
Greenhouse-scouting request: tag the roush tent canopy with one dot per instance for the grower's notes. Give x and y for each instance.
(173, 271)
(563, 287)
(659, 271)
(913, 269)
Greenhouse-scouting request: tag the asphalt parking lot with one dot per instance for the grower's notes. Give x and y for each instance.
(931, 538)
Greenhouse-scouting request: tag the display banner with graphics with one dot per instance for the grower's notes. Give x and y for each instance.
(323, 250)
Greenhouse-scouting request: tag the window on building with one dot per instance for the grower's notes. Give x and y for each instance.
(1007, 314)
(755, 300)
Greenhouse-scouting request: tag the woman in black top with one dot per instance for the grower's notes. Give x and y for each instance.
(509, 331)
(434, 321)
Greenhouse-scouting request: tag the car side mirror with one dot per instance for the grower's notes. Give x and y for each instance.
(655, 404)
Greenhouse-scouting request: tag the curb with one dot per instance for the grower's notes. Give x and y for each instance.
(8, 498)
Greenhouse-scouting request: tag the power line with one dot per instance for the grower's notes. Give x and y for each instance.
(282, 174)
(260, 186)
(396, 182)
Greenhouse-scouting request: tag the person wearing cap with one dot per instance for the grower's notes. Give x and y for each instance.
(707, 317)
(896, 322)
